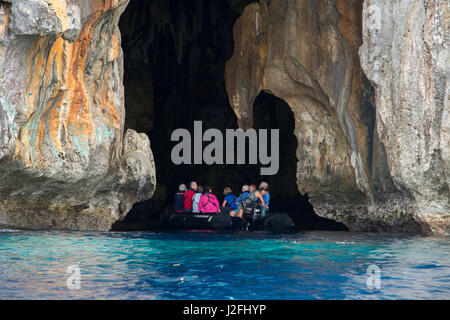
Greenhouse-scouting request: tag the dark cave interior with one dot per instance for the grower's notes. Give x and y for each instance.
(174, 61)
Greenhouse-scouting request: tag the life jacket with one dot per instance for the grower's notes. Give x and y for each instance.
(232, 203)
(242, 196)
(188, 195)
(251, 200)
(211, 199)
(178, 203)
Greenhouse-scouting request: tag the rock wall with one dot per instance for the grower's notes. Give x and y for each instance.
(306, 52)
(406, 56)
(366, 81)
(65, 162)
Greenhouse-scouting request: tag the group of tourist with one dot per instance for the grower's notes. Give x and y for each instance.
(199, 199)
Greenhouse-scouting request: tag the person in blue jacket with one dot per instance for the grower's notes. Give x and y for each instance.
(264, 189)
(229, 202)
(242, 196)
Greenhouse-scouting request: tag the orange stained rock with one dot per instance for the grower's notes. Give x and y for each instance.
(60, 7)
(106, 4)
(110, 106)
(36, 59)
(68, 102)
(43, 60)
(115, 48)
(350, 22)
(78, 115)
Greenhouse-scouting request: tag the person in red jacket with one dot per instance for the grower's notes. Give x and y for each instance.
(188, 195)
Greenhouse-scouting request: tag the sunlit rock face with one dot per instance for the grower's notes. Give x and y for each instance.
(65, 162)
(372, 154)
(406, 56)
(365, 80)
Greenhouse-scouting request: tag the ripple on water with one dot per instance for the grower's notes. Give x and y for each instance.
(316, 265)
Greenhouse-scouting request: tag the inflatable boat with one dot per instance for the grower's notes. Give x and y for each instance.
(252, 221)
(273, 222)
(201, 221)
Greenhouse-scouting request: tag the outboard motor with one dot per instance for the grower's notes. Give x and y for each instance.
(253, 218)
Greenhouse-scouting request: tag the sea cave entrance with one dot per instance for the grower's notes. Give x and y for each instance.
(271, 112)
(174, 62)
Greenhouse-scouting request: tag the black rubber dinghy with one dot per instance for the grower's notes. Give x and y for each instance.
(279, 223)
(276, 223)
(201, 221)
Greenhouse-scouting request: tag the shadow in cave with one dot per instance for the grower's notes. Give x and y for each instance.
(175, 53)
(271, 112)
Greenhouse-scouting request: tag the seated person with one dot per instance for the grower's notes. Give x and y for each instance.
(253, 199)
(188, 195)
(196, 199)
(208, 202)
(179, 199)
(229, 202)
(244, 194)
(264, 189)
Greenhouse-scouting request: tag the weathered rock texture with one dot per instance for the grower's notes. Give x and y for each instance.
(394, 178)
(406, 55)
(366, 81)
(64, 160)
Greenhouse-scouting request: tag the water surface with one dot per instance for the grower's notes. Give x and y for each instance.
(138, 265)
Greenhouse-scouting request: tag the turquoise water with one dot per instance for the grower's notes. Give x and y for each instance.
(314, 265)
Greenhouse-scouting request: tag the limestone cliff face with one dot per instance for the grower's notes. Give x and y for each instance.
(366, 81)
(64, 160)
(406, 56)
(393, 178)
